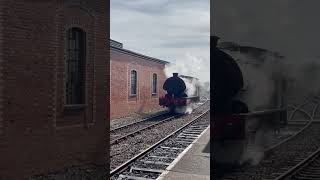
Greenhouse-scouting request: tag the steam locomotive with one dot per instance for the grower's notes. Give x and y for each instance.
(231, 117)
(176, 99)
(229, 142)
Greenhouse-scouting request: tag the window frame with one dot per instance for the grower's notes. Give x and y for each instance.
(154, 84)
(136, 83)
(80, 101)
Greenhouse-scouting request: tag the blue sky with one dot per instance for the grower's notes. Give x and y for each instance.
(177, 31)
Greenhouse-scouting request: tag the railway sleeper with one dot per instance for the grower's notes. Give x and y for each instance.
(196, 128)
(172, 149)
(137, 169)
(204, 125)
(188, 138)
(193, 132)
(155, 162)
(302, 176)
(175, 148)
(312, 167)
(308, 174)
(184, 142)
(166, 161)
(189, 135)
(125, 177)
(162, 157)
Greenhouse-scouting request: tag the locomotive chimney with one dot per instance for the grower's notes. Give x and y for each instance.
(175, 74)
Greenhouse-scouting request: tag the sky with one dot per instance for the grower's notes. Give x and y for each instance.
(288, 26)
(177, 31)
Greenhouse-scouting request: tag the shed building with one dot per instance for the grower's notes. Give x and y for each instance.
(136, 81)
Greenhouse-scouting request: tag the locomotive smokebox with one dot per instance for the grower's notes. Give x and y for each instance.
(175, 86)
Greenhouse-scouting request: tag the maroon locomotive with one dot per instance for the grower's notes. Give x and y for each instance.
(176, 96)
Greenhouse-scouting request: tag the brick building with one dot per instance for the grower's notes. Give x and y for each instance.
(54, 78)
(136, 81)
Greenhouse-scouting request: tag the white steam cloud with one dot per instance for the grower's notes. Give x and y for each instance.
(191, 66)
(191, 86)
(197, 68)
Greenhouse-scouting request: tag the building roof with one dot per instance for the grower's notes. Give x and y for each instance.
(114, 43)
(248, 49)
(117, 46)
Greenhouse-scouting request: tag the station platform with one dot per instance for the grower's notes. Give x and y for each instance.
(193, 163)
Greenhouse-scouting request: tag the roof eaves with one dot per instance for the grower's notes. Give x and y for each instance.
(125, 51)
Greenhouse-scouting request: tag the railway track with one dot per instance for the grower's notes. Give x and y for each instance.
(202, 101)
(129, 146)
(150, 163)
(288, 156)
(307, 169)
(129, 130)
(134, 128)
(285, 158)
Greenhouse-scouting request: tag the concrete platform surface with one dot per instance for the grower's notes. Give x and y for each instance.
(193, 163)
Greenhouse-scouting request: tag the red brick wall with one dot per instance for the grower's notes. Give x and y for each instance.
(39, 134)
(1, 67)
(121, 102)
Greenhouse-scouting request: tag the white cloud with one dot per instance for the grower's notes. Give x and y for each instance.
(169, 30)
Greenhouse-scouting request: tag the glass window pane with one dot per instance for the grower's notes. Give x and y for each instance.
(75, 72)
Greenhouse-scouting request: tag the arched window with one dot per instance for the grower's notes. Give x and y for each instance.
(75, 70)
(133, 82)
(154, 83)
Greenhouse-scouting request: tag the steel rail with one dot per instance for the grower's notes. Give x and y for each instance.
(299, 166)
(144, 119)
(301, 110)
(147, 119)
(145, 128)
(124, 165)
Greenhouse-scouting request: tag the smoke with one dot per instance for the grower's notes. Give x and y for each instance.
(195, 67)
(259, 140)
(258, 74)
(191, 66)
(303, 76)
(260, 86)
(186, 110)
(191, 86)
(300, 75)
(191, 90)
